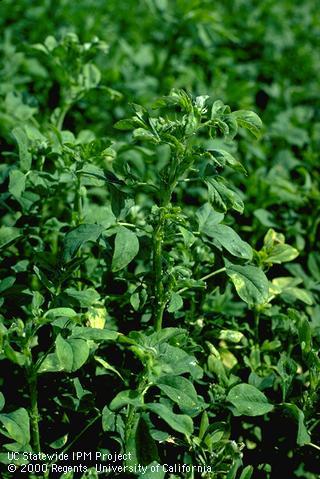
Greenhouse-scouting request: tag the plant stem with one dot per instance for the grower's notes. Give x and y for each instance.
(256, 325)
(78, 436)
(132, 423)
(311, 428)
(159, 300)
(34, 412)
(64, 110)
(78, 202)
(313, 445)
(207, 276)
(78, 219)
(81, 433)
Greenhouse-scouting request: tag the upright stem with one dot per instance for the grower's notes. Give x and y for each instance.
(159, 301)
(158, 234)
(256, 325)
(78, 209)
(131, 426)
(78, 219)
(63, 111)
(34, 412)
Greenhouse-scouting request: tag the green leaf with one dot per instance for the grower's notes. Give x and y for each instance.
(314, 265)
(214, 437)
(96, 317)
(94, 334)
(249, 120)
(224, 157)
(2, 401)
(218, 108)
(123, 398)
(44, 280)
(303, 437)
(216, 366)
(17, 183)
(85, 298)
(129, 124)
(14, 356)
(180, 390)
(222, 197)
(23, 143)
(17, 425)
(282, 253)
(230, 240)
(247, 473)
(144, 135)
(135, 301)
(286, 286)
(91, 76)
(78, 236)
(81, 393)
(163, 336)
(204, 424)
(174, 361)
(208, 218)
(187, 235)
(8, 234)
(6, 283)
(50, 43)
(248, 400)
(60, 442)
(179, 422)
(126, 248)
(250, 282)
(265, 217)
(60, 312)
(305, 334)
(299, 293)
(50, 364)
(108, 366)
(231, 335)
(275, 250)
(64, 353)
(72, 352)
(175, 303)
(108, 419)
(287, 369)
(282, 283)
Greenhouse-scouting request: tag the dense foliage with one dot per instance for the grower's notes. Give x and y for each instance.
(159, 276)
